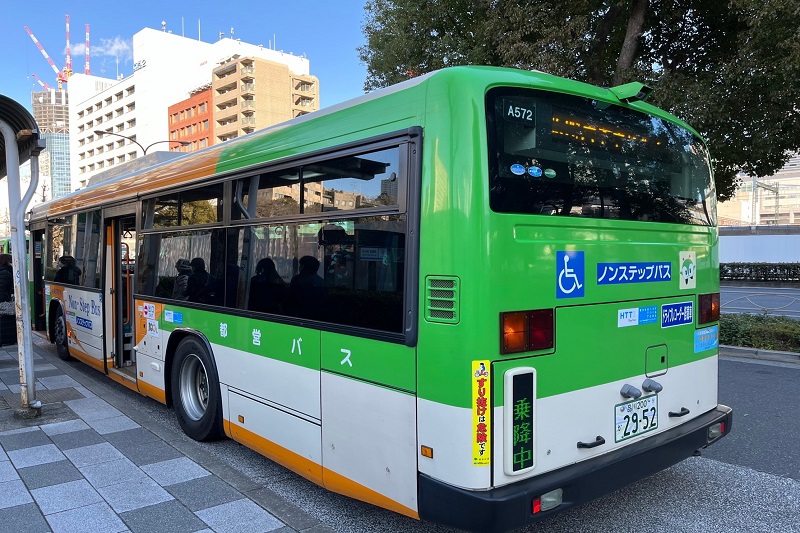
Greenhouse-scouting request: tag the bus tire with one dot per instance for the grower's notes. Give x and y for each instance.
(195, 391)
(60, 335)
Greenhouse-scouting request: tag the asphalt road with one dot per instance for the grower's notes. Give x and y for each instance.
(766, 434)
(773, 300)
(747, 482)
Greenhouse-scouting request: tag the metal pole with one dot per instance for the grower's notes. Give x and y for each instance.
(19, 265)
(753, 208)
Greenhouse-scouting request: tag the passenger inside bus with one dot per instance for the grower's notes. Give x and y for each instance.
(201, 284)
(68, 273)
(267, 288)
(307, 291)
(180, 291)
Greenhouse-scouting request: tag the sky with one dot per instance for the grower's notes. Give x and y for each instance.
(326, 31)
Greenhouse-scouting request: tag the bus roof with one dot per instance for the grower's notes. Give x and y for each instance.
(321, 129)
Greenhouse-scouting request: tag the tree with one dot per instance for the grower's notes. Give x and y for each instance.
(277, 207)
(729, 68)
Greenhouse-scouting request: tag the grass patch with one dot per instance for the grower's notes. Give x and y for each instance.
(765, 332)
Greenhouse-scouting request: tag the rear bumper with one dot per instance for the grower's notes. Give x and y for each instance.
(509, 507)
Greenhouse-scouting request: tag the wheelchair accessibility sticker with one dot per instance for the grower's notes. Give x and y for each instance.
(569, 275)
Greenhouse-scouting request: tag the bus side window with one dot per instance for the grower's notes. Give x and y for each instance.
(159, 254)
(59, 244)
(89, 233)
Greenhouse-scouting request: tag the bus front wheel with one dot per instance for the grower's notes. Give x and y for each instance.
(60, 335)
(195, 391)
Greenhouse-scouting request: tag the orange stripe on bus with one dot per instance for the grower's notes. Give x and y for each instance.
(343, 485)
(152, 391)
(312, 471)
(122, 380)
(84, 357)
(184, 170)
(295, 462)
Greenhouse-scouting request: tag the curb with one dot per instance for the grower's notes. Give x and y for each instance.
(739, 352)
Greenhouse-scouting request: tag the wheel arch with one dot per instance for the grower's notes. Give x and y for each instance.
(176, 337)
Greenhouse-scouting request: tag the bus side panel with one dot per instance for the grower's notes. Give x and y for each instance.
(84, 316)
(449, 431)
(150, 340)
(285, 438)
(274, 362)
(369, 447)
(292, 386)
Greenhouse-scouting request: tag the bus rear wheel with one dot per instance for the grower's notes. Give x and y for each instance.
(60, 335)
(195, 391)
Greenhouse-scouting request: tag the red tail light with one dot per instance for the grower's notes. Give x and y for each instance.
(523, 331)
(709, 308)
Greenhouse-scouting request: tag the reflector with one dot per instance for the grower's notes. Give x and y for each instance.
(541, 329)
(522, 331)
(716, 431)
(709, 308)
(514, 332)
(552, 499)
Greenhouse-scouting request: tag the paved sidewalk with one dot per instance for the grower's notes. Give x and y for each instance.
(93, 463)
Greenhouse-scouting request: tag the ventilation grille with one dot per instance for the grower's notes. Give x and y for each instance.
(441, 299)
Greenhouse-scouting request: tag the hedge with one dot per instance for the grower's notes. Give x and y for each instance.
(770, 272)
(764, 332)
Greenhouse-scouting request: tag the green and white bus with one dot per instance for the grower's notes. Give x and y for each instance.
(478, 298)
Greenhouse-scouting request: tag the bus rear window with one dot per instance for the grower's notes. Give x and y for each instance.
(560, 155)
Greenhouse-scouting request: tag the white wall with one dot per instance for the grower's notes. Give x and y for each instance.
(759, 249)
(168, 67)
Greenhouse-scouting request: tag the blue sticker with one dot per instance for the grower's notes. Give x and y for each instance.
(616, 273)
(83, 322)
(177, 317)
(637, 316)
(677, 314)
(648, 315)
(517, 169)
(536, 172)
(569, 275)
(706, 339)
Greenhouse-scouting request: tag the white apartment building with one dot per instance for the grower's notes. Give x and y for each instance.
(167, 67)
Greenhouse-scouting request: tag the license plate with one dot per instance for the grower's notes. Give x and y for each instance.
(635, 417)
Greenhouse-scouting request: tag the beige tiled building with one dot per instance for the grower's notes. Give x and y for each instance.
(777, 201)
(251, 93)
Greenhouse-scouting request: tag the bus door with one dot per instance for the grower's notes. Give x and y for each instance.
(38, 302)
(120, 269)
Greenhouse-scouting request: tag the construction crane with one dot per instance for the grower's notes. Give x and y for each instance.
(86, 65)
(60, 77)
(43, 84)
(68, 60)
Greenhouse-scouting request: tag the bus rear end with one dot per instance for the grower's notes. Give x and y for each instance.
(600, 283)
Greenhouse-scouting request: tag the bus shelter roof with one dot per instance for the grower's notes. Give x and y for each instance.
(22, 122)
